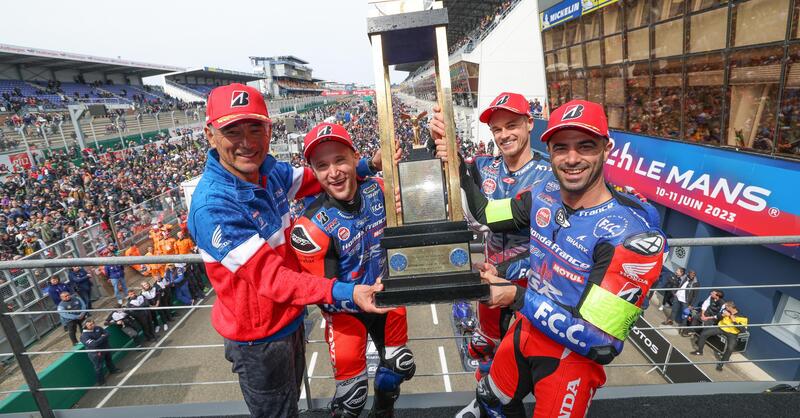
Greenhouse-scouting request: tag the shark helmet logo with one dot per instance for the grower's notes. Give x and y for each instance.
(240, 98)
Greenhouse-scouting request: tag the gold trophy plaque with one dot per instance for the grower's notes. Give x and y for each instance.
(427, 245)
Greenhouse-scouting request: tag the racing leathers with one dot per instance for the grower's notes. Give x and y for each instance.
(242, 232)
(342, 240)
(510, 248)
(590, 270)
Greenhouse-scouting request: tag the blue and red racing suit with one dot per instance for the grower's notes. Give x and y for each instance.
(510, 248)
(342, 240)
(590, 270)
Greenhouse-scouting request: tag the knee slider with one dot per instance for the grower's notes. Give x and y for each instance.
(350, 396)
(401, 361)
(398, 365)
(490, 398)
(480, 346)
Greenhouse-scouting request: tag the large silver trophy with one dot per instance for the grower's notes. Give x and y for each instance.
(427, 246)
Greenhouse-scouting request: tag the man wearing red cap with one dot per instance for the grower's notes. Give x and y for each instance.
(339, 236)
(516, 170)
(594, 254)
(239, 219)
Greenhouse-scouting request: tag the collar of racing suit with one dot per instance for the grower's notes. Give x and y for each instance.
(353, 206)
(244, 188)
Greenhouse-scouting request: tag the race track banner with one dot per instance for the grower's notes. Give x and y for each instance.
(741, 193)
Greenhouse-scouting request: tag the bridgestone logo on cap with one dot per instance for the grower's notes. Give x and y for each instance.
(325, 131)
(503, 100)
(240, 98)
(573, 112)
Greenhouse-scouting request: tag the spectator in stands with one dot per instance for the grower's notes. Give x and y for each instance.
(125, 322)
(153, 297)
(72, 312)
(95, 337)
(116, 276)
(684, 297)
(673, 281)
(707, 313)
(142, 316)
(177, 276)
(79, 277)
(55, 289)
(729, 326)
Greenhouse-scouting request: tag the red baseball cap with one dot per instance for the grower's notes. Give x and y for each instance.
(325, 132)
(513, 102)
(235, 102)
(578, 114)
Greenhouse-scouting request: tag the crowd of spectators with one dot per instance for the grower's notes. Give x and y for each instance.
(486, 23)
(55, 197)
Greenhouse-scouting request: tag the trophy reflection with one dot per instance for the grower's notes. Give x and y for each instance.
(427, 245)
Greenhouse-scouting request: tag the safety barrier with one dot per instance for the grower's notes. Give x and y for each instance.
(40, 388)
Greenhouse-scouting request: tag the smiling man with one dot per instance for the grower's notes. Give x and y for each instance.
(594, 253)
(339, 236)
(239, 219)
(514, 171)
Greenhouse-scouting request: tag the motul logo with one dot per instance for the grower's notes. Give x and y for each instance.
(561, 271)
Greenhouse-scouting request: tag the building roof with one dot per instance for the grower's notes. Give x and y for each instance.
(290, 58)
(216, 73)
(59, 60)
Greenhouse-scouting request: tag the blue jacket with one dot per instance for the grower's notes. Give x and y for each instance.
(72, 309)
(55, 291)
(115, 272)
(95, 339)
(80, 279)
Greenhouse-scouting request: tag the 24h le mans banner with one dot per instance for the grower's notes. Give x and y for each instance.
(743, 194)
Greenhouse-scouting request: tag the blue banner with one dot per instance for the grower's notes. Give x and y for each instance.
(560, 13)
(744, 194)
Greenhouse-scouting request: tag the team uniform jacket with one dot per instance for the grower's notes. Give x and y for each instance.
(342, 240)
(590, 268)
(498, 182)
(242, 230)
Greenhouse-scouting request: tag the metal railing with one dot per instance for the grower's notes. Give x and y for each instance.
(34, 386)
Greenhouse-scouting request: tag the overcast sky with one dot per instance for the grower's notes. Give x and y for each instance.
(329, 34)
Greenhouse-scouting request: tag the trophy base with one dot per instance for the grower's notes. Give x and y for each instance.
(419, 290)
(429, 263)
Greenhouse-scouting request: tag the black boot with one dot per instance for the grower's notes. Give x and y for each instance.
(383, 404)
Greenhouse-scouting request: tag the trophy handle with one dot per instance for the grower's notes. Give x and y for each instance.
(383, 101)
(444, 95)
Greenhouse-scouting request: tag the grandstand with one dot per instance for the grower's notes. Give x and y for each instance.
(45, 98)
(285, 77)
(195, 84)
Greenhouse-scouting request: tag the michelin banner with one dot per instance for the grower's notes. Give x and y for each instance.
(743, 194)
(570, 9)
